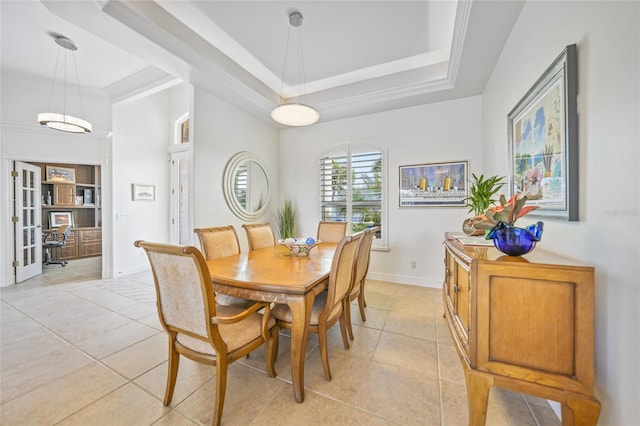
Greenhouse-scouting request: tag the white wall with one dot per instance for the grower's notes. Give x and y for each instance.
(219, 131)
(446, 131)
(607, 235)
(142, 132)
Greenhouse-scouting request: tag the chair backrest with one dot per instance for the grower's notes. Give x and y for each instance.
(259, 235)
(342, 273)
(183, 291)
(58, 237)
(218, 242)
(331, 232)
(364, 255)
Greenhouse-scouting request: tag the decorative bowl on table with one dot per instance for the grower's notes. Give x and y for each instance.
(299, 246)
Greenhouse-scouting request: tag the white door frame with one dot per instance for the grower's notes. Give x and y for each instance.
(34, 144)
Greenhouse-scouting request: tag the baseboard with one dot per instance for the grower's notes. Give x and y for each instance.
(405, 279)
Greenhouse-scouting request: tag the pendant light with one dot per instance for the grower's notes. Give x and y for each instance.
(294, 114)
(63, 121)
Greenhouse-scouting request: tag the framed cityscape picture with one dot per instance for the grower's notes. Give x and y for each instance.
(434, 184)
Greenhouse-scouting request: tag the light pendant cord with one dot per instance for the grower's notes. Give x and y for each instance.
(284, 66)
(75, 65)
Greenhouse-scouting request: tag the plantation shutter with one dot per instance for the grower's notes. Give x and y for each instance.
(351, 188)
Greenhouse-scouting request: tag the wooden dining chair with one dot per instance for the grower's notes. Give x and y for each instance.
(197, 327)
(259, 235)
(328, 306)
(221, 241)
(331, 232)
(362, 268)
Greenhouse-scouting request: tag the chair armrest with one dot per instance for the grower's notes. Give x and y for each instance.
(51, 236)
(242, 315)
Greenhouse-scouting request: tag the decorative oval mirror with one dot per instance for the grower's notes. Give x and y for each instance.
(246, 186)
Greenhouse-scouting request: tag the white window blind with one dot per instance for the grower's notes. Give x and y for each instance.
(351, 188)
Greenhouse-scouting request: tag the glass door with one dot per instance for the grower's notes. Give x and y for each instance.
(27, 220)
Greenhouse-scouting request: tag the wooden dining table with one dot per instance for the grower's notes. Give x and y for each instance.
(273, 274)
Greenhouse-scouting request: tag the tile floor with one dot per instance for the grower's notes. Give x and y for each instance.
(78, 350)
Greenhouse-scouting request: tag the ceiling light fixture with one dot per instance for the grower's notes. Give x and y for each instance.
(64, 122)
(294, 114)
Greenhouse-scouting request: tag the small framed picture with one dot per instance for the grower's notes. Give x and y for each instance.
(184, 131)
(87, 197)
(61, 174)
(57, 219)
(434, 184)
(143, 192)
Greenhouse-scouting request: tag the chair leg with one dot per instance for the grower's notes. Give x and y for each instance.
(172, 371)
(343, 328)
(347, 309)
(271, 351)
(47, 257)
(324, 351)
(362, 304)
(221, 387)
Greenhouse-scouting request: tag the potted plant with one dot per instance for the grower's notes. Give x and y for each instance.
(286, 219)
(482, 192)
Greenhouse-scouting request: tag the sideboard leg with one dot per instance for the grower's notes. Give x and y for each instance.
(478, 387)
(580, 411)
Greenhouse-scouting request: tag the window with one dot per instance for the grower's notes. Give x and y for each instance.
(351, 188)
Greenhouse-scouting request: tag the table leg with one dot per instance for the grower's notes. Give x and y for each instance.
(478, 387)
(580, 410)
(300, 316)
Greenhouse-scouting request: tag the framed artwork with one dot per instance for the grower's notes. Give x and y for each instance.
(143, 192)
(543, 140)
(57, 219)
(61, 174)
(184, 131)
(434, 185)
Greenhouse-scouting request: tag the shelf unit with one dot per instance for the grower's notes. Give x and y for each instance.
(82, 197)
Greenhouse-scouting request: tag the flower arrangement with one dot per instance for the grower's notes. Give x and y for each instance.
(506, 212)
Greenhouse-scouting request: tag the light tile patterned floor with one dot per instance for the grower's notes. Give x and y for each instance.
(78, 350)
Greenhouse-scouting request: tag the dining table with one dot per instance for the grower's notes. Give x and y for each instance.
(275, 275)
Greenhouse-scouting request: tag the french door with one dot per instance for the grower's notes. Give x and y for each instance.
(27, 219)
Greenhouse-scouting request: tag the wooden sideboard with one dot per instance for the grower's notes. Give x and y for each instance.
(523, 324)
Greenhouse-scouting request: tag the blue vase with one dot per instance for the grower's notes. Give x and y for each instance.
(515, 241)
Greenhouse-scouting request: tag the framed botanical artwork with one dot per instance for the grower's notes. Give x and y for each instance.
(184, 131)
(143, 192)
(61, 174)
(434, 184)
(57, 219)
(543, 140)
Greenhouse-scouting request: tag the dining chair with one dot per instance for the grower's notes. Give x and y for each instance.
(259, 235)
(55, 240)
(221, 241)
(328, 306)
(199, 328)
(331, 232)
(362, 268)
